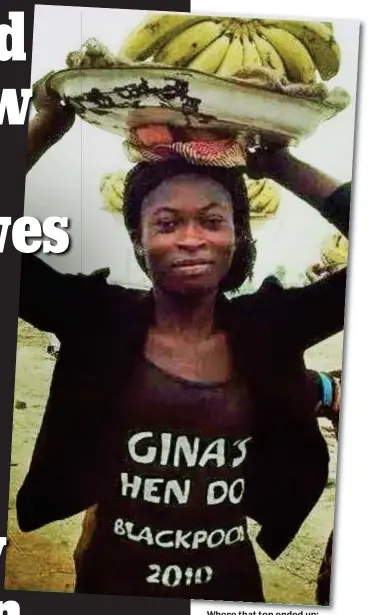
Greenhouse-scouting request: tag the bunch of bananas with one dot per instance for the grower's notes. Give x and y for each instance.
(333, 257)
(334, 251)
(296, 51)
(112, 190)
(263, 195)
(264, 198)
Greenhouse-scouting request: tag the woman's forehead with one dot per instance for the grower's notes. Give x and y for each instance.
(181, 190)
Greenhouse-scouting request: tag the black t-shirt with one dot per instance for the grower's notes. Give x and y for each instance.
(175, 523)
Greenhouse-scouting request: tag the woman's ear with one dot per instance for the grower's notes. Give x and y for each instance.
(136, 241)
(139, 249)
(140, 256)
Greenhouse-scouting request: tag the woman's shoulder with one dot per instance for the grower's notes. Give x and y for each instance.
(263, 306)
(270, 287)
(112, 290)
(103, 297)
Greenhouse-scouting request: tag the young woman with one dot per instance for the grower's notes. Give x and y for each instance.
(180, 413)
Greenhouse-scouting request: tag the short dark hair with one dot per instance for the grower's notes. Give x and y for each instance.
(146, 176)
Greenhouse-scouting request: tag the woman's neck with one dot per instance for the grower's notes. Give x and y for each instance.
(188, 316)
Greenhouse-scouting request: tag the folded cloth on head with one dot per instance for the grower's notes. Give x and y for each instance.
(157, 142)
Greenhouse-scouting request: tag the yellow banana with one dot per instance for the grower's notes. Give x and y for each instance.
(251, 56)
(254, 188)
(104, 181)
(211, 57)
(299, 65)
(258, 204)
(318, 38)
(111, 189)
(233, 60)
(334, 250)
(271, 205)
(154, 32)
(112, 203)
(117, 180)
(269, 56)
(181, 49)
(267, 201)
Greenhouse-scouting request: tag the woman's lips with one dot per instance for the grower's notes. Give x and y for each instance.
(194, 267)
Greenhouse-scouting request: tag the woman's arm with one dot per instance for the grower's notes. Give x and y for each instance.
(302, 179)
(316, 312)
(309, 315)
(52, 121)
(306, 182)
(46, 296)
(326, 393)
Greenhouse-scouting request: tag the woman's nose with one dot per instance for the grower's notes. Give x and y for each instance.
(191, 236)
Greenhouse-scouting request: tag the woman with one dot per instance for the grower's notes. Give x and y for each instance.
(180, 413)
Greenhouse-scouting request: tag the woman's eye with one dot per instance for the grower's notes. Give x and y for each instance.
(212, 222)
(166, 226)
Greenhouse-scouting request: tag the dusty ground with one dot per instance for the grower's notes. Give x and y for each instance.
(42, 560)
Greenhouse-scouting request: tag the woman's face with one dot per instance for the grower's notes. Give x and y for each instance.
(187, 234)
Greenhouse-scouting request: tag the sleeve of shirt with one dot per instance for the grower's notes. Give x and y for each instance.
(290, 474)
(314, 313)
(49, 300)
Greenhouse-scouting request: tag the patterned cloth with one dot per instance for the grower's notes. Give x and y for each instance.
(158, 142)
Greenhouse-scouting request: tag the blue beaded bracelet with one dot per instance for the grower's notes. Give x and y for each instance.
(327, 389)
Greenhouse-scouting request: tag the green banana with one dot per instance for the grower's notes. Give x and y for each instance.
(181, 49)
(111, 190)
(233, 60)
(269, 56)
(254, 188)
(318, 38)
(209, 60)
(299, 65)
(251, 57)
(153, 33)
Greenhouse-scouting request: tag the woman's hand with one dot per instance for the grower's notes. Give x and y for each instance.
(316, 272)
(50, 108)
(265, 161)
(330, 410)
(52, 121)
(304, 181)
